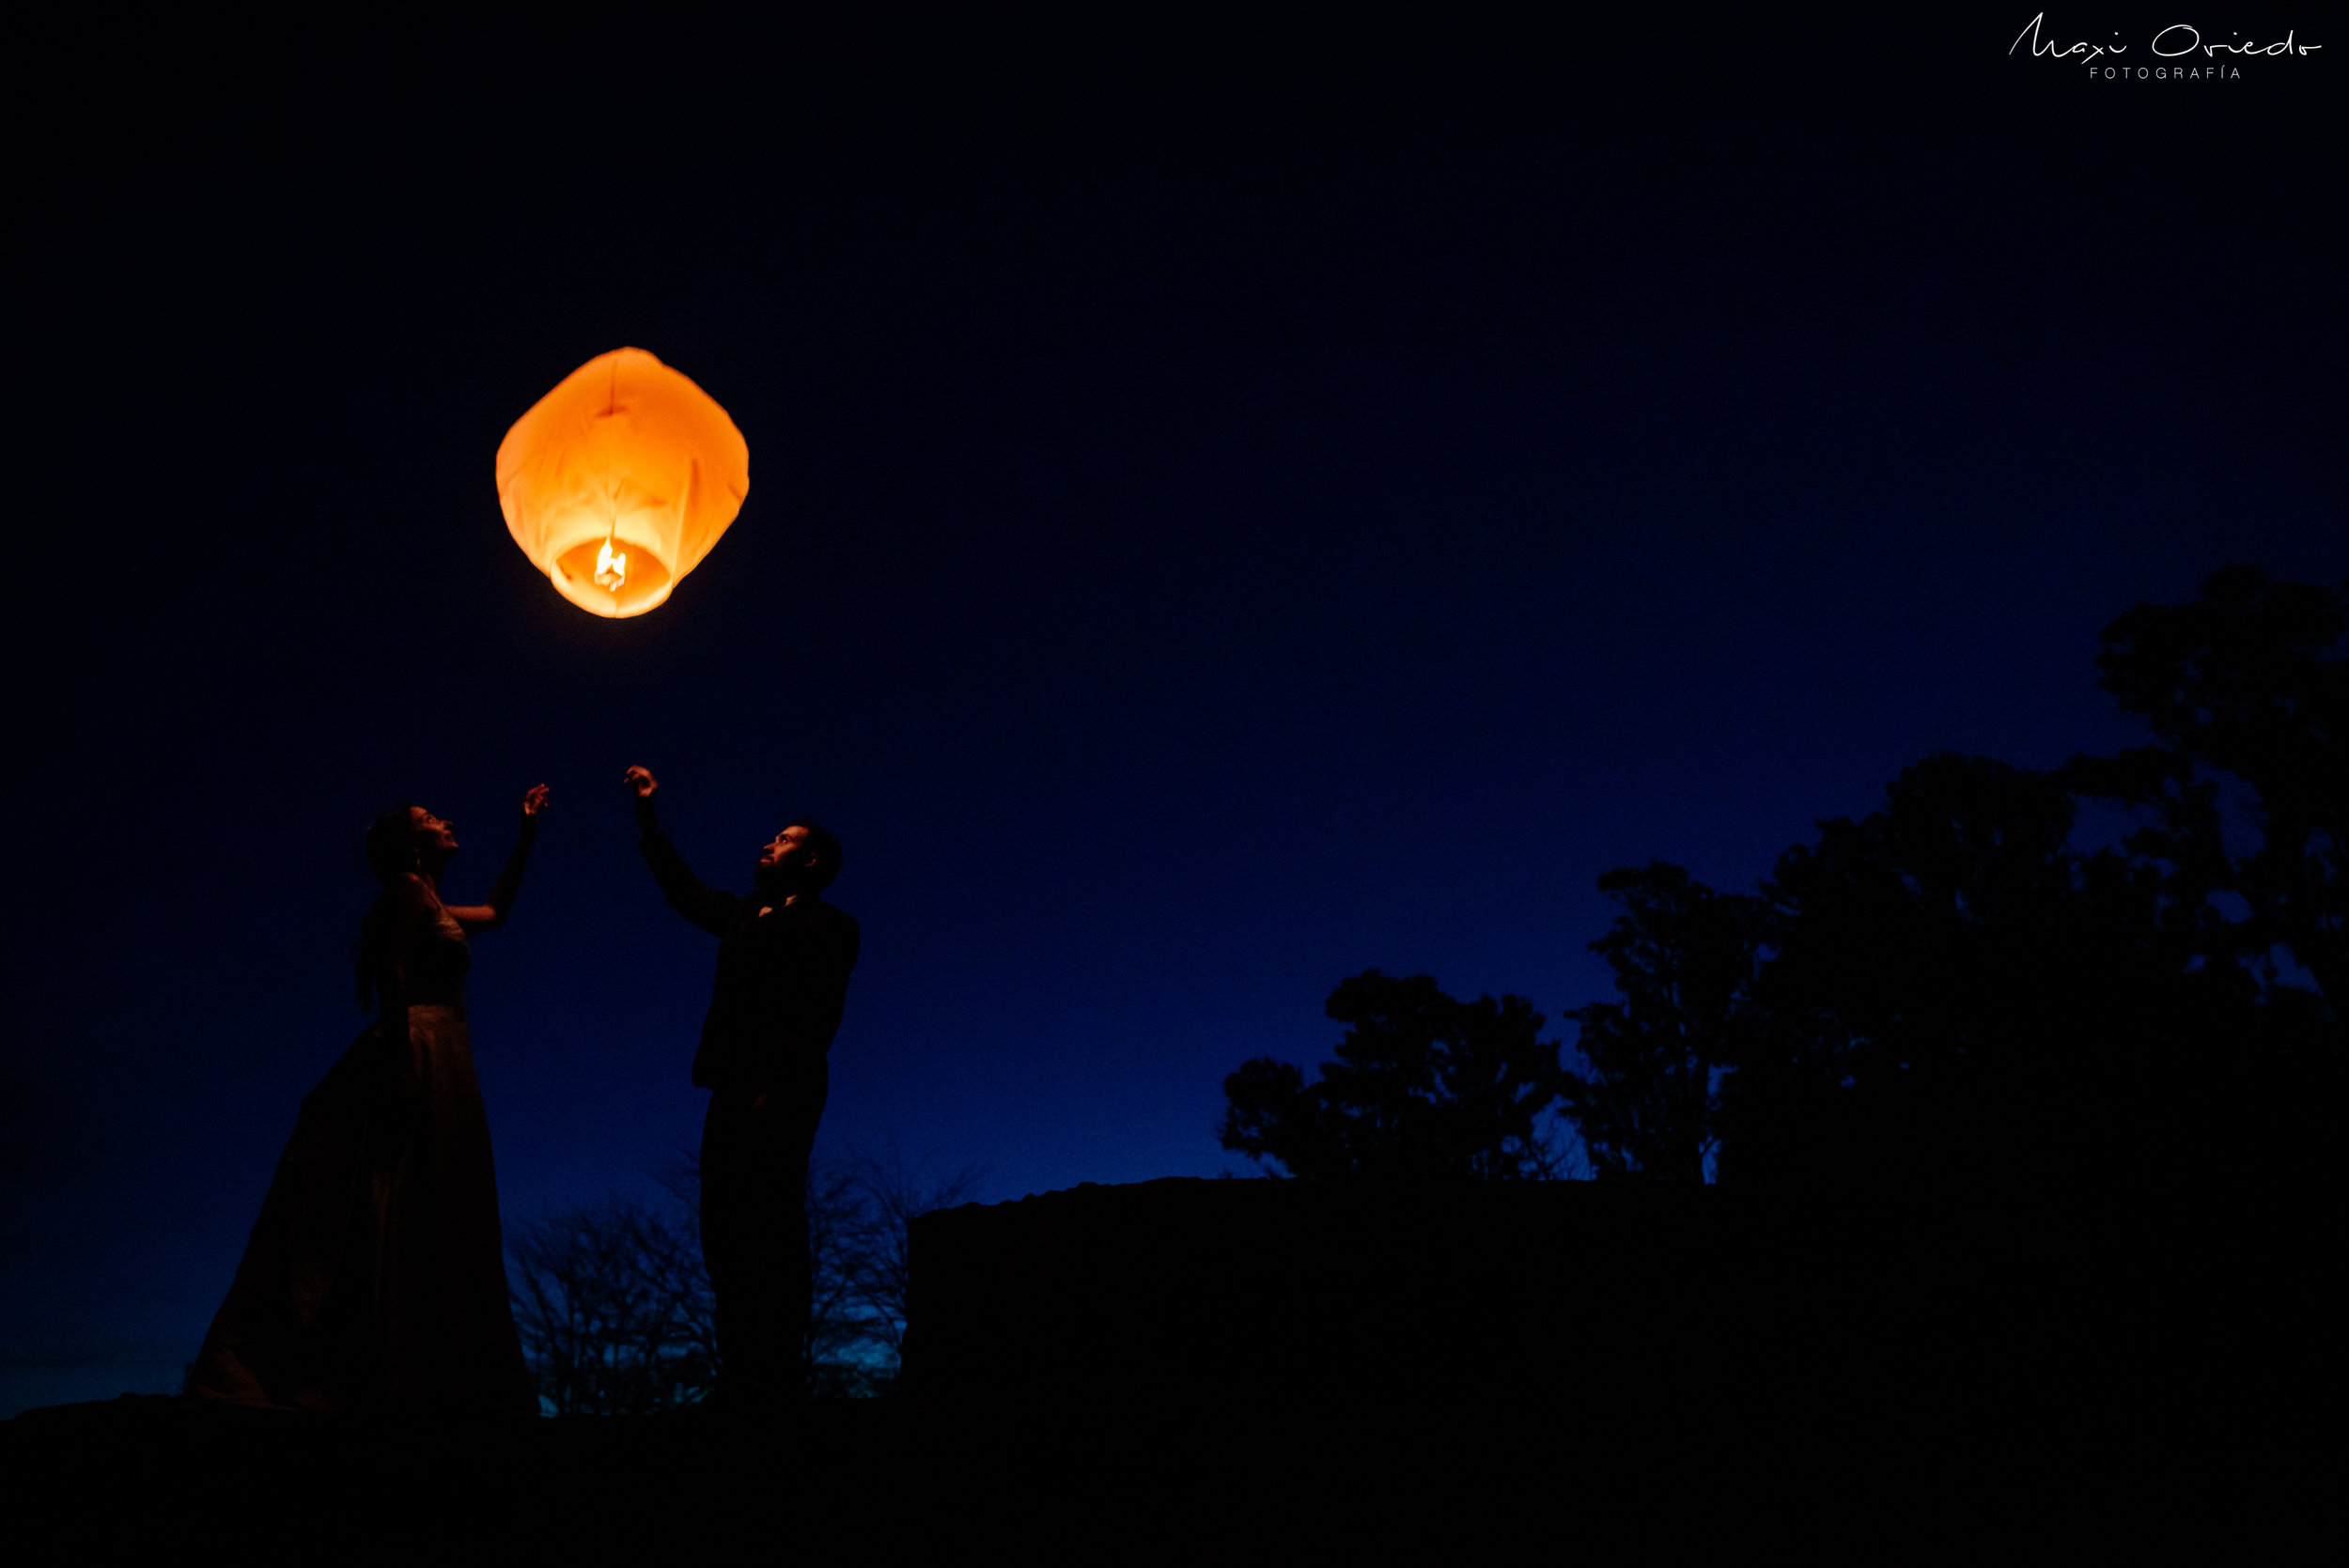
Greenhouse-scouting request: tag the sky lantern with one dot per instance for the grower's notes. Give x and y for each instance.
(618, 481)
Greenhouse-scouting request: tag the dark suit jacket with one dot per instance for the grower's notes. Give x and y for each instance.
(783, 979)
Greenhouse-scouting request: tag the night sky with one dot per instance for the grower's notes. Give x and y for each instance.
(1228, 508)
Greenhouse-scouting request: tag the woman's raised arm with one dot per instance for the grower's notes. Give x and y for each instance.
(490, 916)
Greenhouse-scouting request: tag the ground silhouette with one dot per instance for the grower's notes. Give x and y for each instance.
(1249, 1367)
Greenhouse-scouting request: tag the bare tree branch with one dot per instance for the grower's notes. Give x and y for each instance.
(614, 1304)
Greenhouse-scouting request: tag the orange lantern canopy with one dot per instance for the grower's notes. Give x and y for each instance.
(620, 479)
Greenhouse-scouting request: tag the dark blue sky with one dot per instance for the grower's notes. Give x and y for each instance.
(1226, 512)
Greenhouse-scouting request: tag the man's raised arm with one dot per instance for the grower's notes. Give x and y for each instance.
(705, 905)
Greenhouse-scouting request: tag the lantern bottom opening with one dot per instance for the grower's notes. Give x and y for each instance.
(573, 574)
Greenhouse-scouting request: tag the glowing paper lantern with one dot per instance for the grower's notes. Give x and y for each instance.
(620, 479)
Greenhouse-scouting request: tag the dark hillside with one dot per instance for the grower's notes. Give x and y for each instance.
(1239, 1366)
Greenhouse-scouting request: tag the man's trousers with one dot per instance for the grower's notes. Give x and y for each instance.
(753, 1219)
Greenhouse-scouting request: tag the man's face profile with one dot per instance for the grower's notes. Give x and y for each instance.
(785, 855)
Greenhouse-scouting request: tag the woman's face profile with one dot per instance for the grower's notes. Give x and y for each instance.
(435, 838)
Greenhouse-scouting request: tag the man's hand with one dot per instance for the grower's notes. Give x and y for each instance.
(534, 801)
(641, 782)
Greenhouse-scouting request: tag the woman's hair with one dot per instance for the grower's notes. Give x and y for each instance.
(391, 848)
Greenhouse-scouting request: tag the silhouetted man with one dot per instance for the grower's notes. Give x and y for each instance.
(784, 957)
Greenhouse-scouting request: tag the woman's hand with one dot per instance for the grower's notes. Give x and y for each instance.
(534, 802)
(641, 781)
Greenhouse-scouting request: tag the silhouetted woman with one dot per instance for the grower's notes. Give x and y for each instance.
(375, 1278)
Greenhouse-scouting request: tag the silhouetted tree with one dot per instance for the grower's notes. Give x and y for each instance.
(614, 1304)
(847, 1358)
(614, 1309)
(1913, 947)
(1684, 958)
(2237, 684)
(1958, 998)
(1424, 1088)
(1955, 986)
(2098, 1087)
(891, 1194)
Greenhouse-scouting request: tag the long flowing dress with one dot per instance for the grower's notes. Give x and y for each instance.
(375, 1278)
